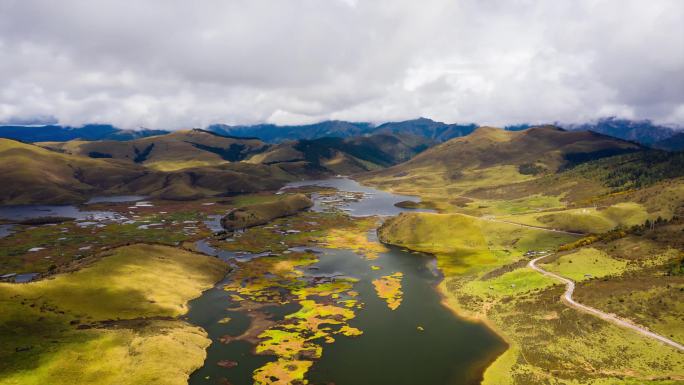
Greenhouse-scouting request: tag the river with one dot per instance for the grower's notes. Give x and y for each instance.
(419, 343)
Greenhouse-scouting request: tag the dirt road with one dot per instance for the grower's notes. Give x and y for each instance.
(567, 298)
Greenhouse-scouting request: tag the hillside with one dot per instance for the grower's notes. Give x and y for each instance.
(344, 156)
(186, 165)
(170, 152)
(33, 174)
(491, 157)
(29, 174)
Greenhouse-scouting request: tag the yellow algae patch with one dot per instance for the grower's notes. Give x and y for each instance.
(389, 289)
(350, 331)
(332, 289)
(224, 320)
(327, 304)
(282, 372)
(287, 344)
(374, 267)
(355, 238)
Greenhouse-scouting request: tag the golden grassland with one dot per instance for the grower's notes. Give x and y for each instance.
(486, 278)
(113, 322)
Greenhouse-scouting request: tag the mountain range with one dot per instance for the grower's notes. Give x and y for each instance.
(642, 131)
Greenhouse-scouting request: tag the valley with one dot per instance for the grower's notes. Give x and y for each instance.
(202, 258)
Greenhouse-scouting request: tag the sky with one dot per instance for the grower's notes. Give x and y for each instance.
(176, 64)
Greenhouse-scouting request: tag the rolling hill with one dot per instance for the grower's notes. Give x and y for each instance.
(186, 164)
(32, 174)
(493, 163)
(174, 151)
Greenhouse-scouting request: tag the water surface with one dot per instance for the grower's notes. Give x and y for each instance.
(392, 350)
(375, 202)
(23, 212)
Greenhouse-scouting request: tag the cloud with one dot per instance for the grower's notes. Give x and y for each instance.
(174, 64)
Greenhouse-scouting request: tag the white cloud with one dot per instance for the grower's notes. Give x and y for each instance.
(173, 64)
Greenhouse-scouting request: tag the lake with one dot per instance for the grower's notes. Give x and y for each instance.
(421, 342)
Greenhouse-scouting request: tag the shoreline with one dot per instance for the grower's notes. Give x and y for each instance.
(458, 312)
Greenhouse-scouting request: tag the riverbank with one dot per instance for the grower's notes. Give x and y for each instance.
(115, 321)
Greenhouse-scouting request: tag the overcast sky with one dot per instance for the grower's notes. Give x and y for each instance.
(173, 64)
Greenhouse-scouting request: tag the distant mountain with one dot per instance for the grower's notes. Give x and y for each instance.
(427, 128)
(640, 131)
(56, 133)
(272, 133)
(345, 155)
(673, 143)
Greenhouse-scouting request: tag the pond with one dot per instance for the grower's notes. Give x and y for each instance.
(420, 342)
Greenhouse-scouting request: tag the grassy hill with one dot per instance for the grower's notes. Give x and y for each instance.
(490, 159)
(33, 174)
(486, 277)
(185, 165)
(175, 151)
(29, 173)
(113, 322)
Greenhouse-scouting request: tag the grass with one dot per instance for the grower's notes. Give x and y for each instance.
(585, 264)
(486, 279)
(519, 281)
(43, 343)
(175, 165)
(524, 205)
(588, 219)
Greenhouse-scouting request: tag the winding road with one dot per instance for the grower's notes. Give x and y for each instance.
(567, 299)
